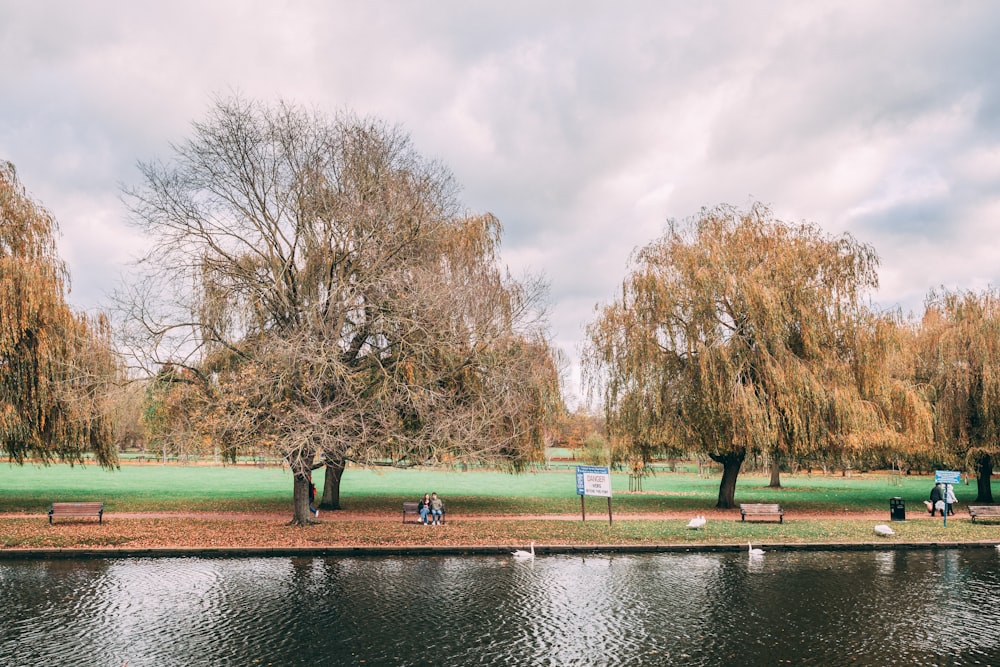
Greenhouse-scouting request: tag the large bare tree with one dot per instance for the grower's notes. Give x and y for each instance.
(56, 365)
(737, 332)
(319, 282)
(959, 343)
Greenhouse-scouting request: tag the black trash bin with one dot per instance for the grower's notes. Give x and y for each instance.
(897, 509)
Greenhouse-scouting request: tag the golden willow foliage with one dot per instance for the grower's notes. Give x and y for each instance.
(169, 412)
(959, 350)
(736, 332)
(56, 365)
(342, 302)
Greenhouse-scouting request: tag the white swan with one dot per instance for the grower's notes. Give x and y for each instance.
(696, 522)
(884, 530)
(521, 553)
(754, 552)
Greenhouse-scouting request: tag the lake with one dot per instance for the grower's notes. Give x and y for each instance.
(905, 607)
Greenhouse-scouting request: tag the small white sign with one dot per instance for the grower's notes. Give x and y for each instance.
(593, 481)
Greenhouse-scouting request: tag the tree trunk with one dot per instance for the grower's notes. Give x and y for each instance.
(300, 500)
(984, 472)
(775, 471)
(331, 483)
(731, 463)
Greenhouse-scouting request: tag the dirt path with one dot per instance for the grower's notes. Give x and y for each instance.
(327, 516)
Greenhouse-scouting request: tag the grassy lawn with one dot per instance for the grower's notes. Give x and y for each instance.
(148, 488)
(145, 488)
(483, 509)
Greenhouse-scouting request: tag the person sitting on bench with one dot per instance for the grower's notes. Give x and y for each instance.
(437, 509)
(424, 507)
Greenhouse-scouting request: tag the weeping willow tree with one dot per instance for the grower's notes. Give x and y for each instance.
(55, 365)
(884, 361)
(327, 296)
(959, 345)
(739, 333)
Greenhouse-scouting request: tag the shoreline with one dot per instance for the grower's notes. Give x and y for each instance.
(86, 553)
(347, 533)
(343, 534)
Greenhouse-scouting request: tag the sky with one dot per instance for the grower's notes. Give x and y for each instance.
(584, 126)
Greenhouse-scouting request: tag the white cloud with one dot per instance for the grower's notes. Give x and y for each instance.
(583, 125)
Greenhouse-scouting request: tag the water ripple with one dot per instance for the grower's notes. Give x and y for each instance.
(810, 608)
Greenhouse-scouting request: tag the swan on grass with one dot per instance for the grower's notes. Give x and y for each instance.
(754, 552)
(884, 530)
(527, 555)
(696, 522)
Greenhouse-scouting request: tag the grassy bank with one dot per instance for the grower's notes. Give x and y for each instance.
(153, 487)
(241, 532)
(485, 508)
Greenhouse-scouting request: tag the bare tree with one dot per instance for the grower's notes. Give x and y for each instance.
(739, 333)
(127, 403)
(319, 282)
(56, 365)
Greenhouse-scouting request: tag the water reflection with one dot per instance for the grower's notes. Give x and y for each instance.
(814, 608)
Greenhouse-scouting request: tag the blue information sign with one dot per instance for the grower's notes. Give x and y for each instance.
(947, 477)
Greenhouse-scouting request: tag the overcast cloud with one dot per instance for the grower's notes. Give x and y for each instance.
(584, 126)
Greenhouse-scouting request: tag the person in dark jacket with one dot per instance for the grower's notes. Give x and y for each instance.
(424, 507)
(312, 499)
(937, 499)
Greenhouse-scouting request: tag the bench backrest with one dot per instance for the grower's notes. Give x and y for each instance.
(88, 507)
(409, 507)
(760, 507)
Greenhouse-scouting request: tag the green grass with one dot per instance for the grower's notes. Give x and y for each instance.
(470, 497)
(144, 488)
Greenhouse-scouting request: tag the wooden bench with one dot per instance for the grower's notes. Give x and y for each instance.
(77, 510)
(761, 511)
(984, 512)
(410, 508)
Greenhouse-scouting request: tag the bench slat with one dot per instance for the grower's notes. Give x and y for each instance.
(77, 510)
(984, 511)
(761, 510)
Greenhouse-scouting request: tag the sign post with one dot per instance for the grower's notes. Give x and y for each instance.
(948, 478)
(593, 481)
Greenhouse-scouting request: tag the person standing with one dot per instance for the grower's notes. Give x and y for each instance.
(949, 499)
(437, 509)
(312, 499)
(937, 499)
